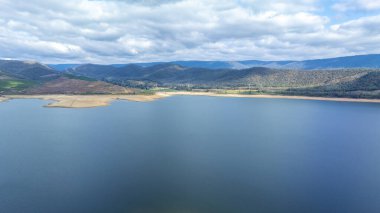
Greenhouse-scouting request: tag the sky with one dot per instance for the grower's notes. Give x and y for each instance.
(127, 31)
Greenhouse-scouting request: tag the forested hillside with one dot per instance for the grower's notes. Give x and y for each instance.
(35, 78)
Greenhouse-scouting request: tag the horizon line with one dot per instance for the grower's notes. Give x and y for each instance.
(190, 60)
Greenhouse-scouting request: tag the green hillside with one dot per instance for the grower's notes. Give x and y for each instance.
(9, 85)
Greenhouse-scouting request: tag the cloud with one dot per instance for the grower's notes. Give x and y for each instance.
(355, 5)
(128, 31)
(142, 2)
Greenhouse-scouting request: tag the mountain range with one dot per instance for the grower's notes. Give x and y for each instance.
(27, 77)
(356, 77)
(358, 61)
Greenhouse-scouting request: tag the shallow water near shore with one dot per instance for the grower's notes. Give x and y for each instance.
(190, 154)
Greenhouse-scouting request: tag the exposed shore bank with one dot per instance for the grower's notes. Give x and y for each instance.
(88, 101)
(2, 99)
(84, 101)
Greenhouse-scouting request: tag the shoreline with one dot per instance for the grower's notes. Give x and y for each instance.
(361, 100)
(90, 101)
(2, 99)
(83, 101)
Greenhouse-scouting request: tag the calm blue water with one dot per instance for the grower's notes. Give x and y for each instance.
(191, 154)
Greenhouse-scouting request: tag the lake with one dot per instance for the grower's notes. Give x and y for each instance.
(191, 154)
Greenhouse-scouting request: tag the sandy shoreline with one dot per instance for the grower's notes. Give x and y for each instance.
(2, 99)
(84, 101)
(87, 101)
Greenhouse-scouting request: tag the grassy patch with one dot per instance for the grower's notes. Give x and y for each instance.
(153, 91)
(145, 92)
(236, 91)
(162, 89)
(7, 84)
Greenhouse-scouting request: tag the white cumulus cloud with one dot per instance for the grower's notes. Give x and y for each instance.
(121, 31)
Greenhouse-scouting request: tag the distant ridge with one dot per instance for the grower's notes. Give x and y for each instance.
(358, 61)
(355, 77)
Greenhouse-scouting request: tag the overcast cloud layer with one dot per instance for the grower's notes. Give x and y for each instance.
(121, 31)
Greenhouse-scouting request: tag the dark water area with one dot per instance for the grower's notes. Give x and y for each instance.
(191, 154)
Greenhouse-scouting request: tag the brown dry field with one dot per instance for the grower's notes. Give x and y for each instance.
(75, 86)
